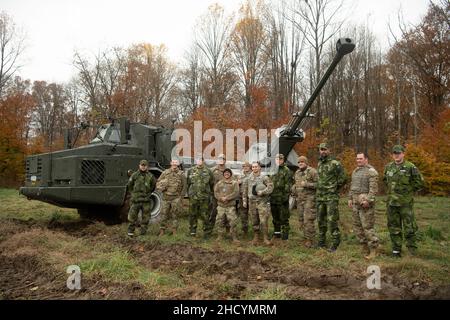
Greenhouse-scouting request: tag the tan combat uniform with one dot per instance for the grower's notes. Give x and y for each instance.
(226, 210)
(243, 212)
(304, 190)
(364, 186)
(258, 205)
(172, 184)
(218, 175)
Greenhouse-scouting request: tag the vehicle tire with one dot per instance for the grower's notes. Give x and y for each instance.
(155, 211)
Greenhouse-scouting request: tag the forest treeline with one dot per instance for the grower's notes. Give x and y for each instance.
(251, 69)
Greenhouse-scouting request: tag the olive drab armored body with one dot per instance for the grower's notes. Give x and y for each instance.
(93, 178)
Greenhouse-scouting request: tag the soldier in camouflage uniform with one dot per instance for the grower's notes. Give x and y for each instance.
(226, 191)
(304, 190)
(402, 179)
(363, 189)
(243, 212)
(217, 172)
(279, 199)
(200, 184)
(257, 189)
(172, 185)
(140, 185)
(331, 179)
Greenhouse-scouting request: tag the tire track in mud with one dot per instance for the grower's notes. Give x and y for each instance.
(218, 274)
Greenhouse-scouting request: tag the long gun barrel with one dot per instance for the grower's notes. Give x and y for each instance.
(343, 47)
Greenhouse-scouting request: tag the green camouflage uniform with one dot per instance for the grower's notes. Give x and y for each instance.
(331, 179)
(200, 183)
(218, 175)
(140, 185)
(401, 182)
(243, 212)
(258, 206)
(364, 187)
(306, 199)
(226, 210)
(279, 201)
(172, 184)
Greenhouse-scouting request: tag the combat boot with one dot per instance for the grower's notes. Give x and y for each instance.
(220, 237)
(412, 251)
(372, 254)
(267, 242)
(396, 254)
(131, 230)
(365, 249)
(143, 231)
(255, 240)
(235, 239)
(308, 244)
(161, 232)
(173, 231)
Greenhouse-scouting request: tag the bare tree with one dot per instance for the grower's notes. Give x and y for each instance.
(11, 47)
(212, 39)
(319, 21)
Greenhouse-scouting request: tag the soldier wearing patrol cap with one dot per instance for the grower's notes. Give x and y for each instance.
(304, 191)
(140, 185)
(279, 199)
(331, 180)
(402, 179)
(363, 189)
(172, 185)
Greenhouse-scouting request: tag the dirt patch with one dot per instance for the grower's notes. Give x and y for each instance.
(26, 273)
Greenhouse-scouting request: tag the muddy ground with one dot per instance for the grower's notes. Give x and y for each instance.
(25, 273)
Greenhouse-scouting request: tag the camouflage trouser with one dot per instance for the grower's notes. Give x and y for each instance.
(198, 209)
(328, 218)
(212, 217)
(169, 211)
(306, 206)
(363, 224)
(226, 215)
(280, 216)
(133, 214)
(243, 215)
(260, 212)
(397, 218)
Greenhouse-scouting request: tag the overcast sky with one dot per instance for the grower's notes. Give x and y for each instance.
(55, 28)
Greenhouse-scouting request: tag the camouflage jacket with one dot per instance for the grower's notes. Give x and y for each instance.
(141, 185)
(200, 183)
(331, 179)
(242, 177)
(310, 177)
(172, 183)
(217, 173)
(401, 182)
(260, 183)
(282, 184)
(228, 189)
(364, 181)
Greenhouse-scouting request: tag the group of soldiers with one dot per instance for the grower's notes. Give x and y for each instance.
(220, 200)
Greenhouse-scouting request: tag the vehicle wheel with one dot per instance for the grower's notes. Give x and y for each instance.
(155, 212)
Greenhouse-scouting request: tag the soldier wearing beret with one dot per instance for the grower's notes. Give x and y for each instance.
(402, 179)
(140, 185)
(363, 189)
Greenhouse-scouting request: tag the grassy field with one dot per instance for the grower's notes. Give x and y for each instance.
(41, 240)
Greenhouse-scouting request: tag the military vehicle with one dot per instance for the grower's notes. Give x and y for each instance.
(92, 178)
